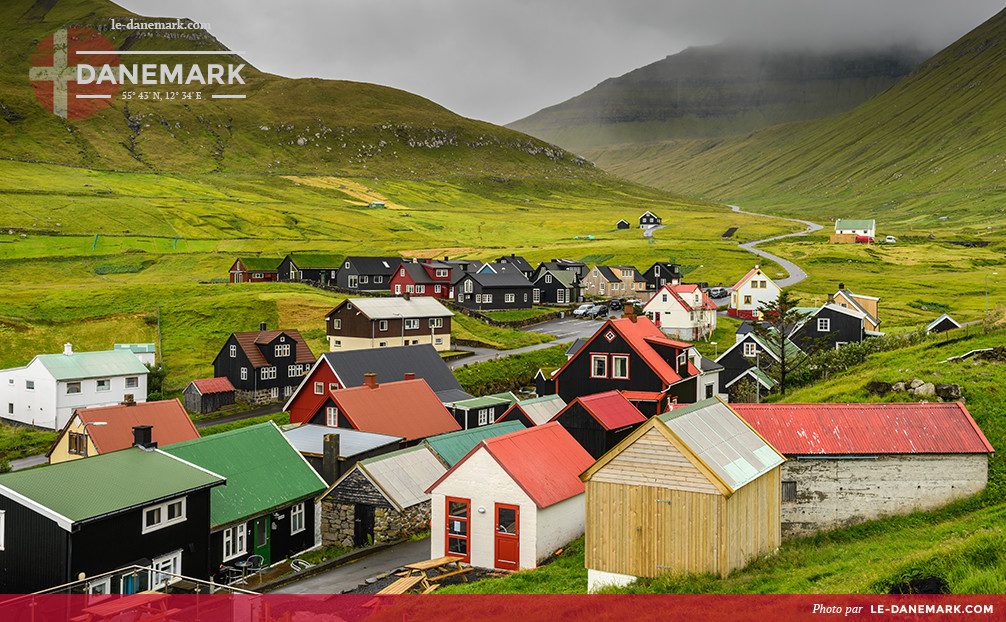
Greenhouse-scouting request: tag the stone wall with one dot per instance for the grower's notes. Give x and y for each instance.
(338, 522)
(832, 493)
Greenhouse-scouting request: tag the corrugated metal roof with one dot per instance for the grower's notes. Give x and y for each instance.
(310, 439)
(540, 410)
(213, 385)
(404, 475)
(900, 428)
(391, 308)
(610, 409)
(263, 471)
(843, 223)
(170, 424)
(486, 400)
(642, 335)
(81, 365)
(407, 408)
(453, 446)
(391, 364)
(107, 483)
(721, 439)
(136, 347)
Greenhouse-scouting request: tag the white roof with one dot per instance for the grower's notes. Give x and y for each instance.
(541, 411)
(403, 476)
(390, 308)
(310, 438)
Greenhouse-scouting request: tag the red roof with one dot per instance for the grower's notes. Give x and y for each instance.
(611, 409)
(707, 302)
(213, 385)
(642, 396)
(866, 428)
(545, 461)
(747, 276)
(407, 408)
(170, 424)
(641, 334)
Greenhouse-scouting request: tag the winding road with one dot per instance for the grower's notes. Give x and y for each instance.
(796, 273)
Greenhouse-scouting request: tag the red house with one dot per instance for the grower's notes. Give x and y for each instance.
(254, 270)
(428, 278)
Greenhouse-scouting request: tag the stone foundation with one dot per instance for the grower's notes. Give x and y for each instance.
(262, 396)
(338, 522)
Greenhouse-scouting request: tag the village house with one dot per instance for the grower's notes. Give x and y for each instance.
(480, 411)
(562, 264)
(89, 517)
(749, 357)
(662, 273)
(146, 353)
(869, 306)
(254, 270)
(512, 500)
(534, 411)
(518, 262)
(753, 290)
(206, 395)
(829, 326)
(364, 323)
(426, 278)
(267, 508)
(557, 287)
(682, 312)
(332, 452)
(847, 463)
(315, 267)
(648, 219)
(847, 231)
(599, 422)
(93, 431)
(367, 273)
(693, 490)
(493, 291)
(622, 224)
(615, 281)
(942, 324)
(45, 392)
(263, 365)
(380, 499)
(451, 447)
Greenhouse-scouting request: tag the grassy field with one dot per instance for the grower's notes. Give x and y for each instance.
(522, 314)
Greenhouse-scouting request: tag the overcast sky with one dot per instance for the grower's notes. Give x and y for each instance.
(501, 60)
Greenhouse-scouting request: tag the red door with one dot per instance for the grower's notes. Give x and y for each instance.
(458, 534)
(507, 537)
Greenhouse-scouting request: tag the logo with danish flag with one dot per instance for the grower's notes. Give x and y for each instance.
(53, 72)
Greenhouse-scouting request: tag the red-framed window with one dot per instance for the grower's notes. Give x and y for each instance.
(458, 527)
(620, 366)
(598, 365)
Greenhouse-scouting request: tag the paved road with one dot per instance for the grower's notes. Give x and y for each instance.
(30, 461)
(796, 274)
(348, 577)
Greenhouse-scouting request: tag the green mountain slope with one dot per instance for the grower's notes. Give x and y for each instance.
(284, 125)
(719, 90)
(929, 147)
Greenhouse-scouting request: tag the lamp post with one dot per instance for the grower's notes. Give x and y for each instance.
(987, 293)
(83, 431)
(757, 379)
(702, 273)
(402, 317)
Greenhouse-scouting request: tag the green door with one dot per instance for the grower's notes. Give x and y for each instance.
(261, 534)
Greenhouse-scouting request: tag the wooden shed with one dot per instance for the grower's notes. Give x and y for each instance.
(208, 395)
(693, 490)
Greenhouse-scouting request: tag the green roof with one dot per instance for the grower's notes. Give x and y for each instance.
(262, 264)
(485, 400)
(92, 364)
(316, 260)
(263, 470)
(454, 446)
(91, 487)
(688, 408)
(854, 224)
(135, 347)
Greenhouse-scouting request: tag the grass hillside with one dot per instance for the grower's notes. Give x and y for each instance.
(930, 146)
(284, 126)
(719, 90)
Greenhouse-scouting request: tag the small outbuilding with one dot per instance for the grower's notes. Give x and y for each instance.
(208, 395)
(692, 490)
(599, 422)
(535, 411)
(622, 224)
(942, 324)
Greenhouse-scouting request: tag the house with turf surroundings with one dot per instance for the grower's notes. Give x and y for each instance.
(423, 278)
(315, 267)
(480, 411)
(365, 323)
(662, 273)
(648, 219)
(367, 273)
(518, 262)
(557, 287)
(254, 270)
(264, 365)
(494, 290)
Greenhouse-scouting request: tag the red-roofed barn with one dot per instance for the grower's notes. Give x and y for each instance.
(208, 395)
(512, 501)
(599, 422)
(847, 463)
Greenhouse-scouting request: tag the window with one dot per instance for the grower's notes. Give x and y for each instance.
(436, 288)
(162, 515)
(560, 296)
(789, 492)
(458, 516)
(536, 295)
(487, 297)
(747, 300)
(620, 366)
(172, 564)
(363, 278)
(441, 273)
(750, 349)
(439, 341)
(382, 344)
(72, 387)
(346, 265)
(436, 322)
(478, 298)
(709, 391)
(548, 278)
(319, 388)
(412, 324)
(398, 288)
(244, 373)
(104, 384)
(274, 393)
(99, 586)
(483, 416)
(525, 296)
(132, 382)
(77, 444)
(292, 371)
(764, 285)
(297, 518)
(257, 275)
(401, 272)
(378, 279)
(354, 281)
(410, 289)
(282, 350)
(598, 366)
(332, 417)
(509, 297)
(3, 527)
(663, 298)
(10, 408)
(268, 373)
(233, 351)
(420, 289)
(29, 385)
(382, 325)
(235, 541)
(287, 391)
(824, 324)
(336, 343)
(468, 286)
(333, 386)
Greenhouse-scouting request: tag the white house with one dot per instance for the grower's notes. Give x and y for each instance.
(45, 392)
(146, 352)
(856, 227)
(751, 291)
(512, 501)
(682, 312)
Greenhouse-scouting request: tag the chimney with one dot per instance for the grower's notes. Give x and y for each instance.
(330, 457)
(630, 311)
(141, 437)
(446, 258)
(410, 376)
(841, 286)
(370, 380)
(67, 349)
(261, 326)
(405, 295)
(127, 400)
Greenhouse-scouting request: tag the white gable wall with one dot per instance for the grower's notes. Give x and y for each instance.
(758, 295)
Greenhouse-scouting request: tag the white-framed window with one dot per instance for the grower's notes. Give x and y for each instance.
(398, 288)
(382, 325)
(336, 343)
(235, 541)
(244, 373)
(292, 371)
(410, 289)
(332, 416)
(170, 563)
(709, 391)
(548, 278)
(233, 351)
(319, 388)
(282, 349)
(401, 272)
(363, 278)
(620, 366)
(378, 279)
(560, 296)
(439, 341)
(163, 515)
(824, 324)
(10, 408)
(525, 296)
(287, 391)
(297, 518)
(468, 286)
(682, 359)
(132, 382)
(436, 322)
(487, 297)
(598, 366)
(257, 275)
(354, 281)
(412, 324)
(72, 387)
(99, 587)
(484, 416)
(750, 349)
(478, 298)
(76, 444)
(333, 386)
(436, 289)
(346, 265)
(509, 297)
(536, 295)
(441, 272)
(274, 393)
(268, 373)
(103, 384)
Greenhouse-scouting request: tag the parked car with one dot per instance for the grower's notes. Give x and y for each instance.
(718, 292)
(890, 239)
(616, 304)
(582, 309)
(597, 311)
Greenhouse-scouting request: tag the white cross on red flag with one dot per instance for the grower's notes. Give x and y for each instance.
(53, 72)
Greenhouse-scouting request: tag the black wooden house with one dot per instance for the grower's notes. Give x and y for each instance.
(367, 273)
(264, 365)
(662, 273)
(556, 287)
(599, 422)
(493, 291)
(829, 327)
(315, 267)
(648, 219)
